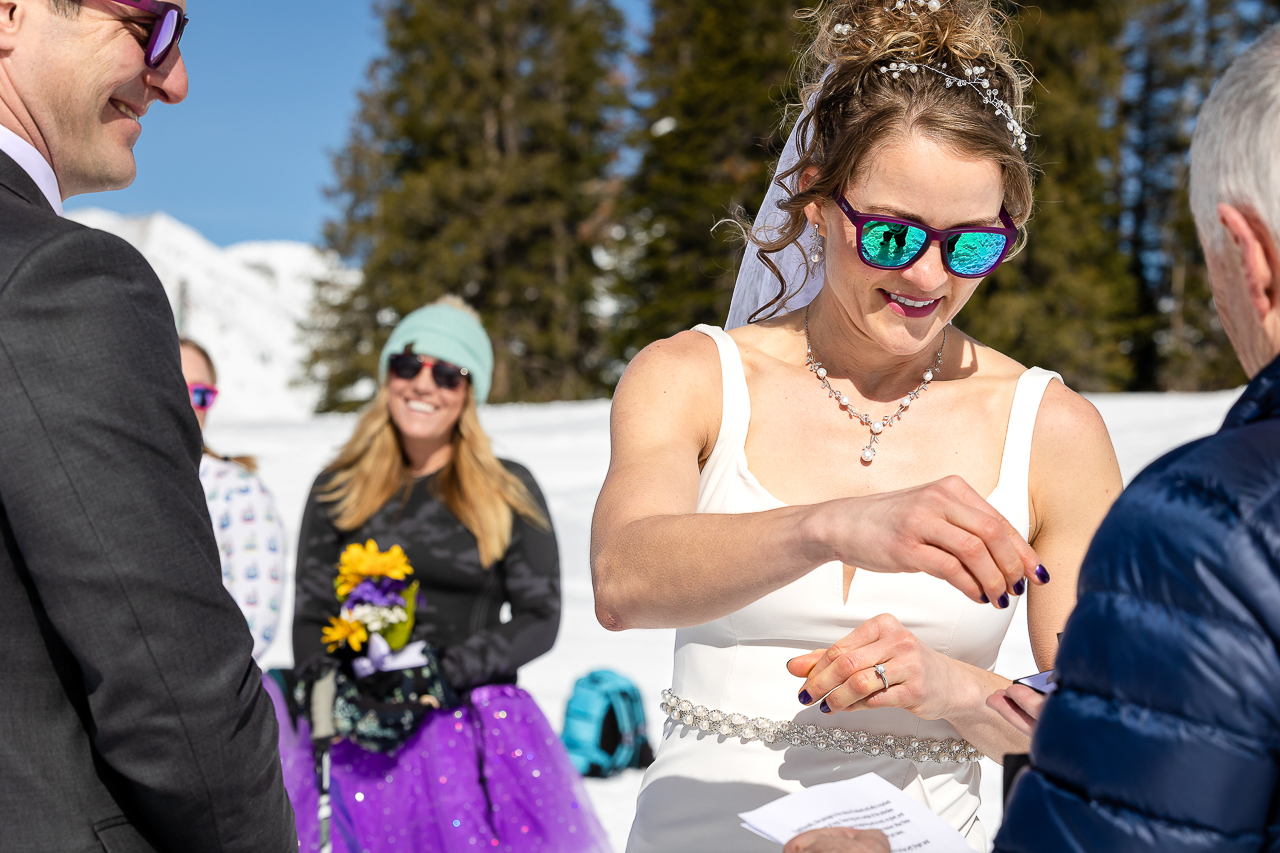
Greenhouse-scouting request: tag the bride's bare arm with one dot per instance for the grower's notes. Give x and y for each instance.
(656, 562)
(1074, 479)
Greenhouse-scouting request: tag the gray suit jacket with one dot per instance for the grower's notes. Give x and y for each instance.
(132, 716)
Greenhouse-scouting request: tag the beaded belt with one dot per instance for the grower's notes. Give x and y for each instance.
(819, 737)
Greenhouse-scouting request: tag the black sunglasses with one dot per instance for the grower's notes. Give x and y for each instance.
(408, 365)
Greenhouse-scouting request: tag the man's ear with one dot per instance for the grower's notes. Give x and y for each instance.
(12, 13)
(1258, 256)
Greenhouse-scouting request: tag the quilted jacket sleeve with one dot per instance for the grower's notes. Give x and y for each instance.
(1165, 732)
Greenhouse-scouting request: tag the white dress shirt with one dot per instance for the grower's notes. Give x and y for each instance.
(34, 164)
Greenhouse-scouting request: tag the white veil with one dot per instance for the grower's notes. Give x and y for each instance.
(756, 284)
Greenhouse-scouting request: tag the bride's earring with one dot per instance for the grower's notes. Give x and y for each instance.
(818, 248)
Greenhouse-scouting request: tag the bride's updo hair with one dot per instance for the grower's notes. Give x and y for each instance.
(858, 103)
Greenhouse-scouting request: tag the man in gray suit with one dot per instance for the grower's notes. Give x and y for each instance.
(132, 717)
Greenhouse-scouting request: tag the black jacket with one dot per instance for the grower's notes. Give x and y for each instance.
(459, 601)
(1165, 732)
(132, 716)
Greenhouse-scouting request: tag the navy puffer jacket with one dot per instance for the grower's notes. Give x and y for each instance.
(1165, 731)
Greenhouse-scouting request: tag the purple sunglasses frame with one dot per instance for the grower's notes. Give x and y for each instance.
(209, 392)
(1009, 231)
(155, 53)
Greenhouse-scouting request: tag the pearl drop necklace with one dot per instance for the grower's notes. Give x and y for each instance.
(876, 427)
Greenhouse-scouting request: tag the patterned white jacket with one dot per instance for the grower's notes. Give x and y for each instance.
(251, 543)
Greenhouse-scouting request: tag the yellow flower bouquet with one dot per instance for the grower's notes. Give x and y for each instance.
(375, 595)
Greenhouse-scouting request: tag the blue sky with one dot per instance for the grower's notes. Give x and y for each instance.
(247, 155)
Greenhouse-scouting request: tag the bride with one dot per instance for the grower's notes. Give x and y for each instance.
(841, 504)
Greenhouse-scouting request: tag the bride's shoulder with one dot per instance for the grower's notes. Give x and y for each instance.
(688, 351)
(1065, 418)
(696, 355)
(670, 389)
(685, 365)
(1070, 427)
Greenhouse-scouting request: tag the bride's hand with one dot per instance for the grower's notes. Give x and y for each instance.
(844, 678)
(944, 529)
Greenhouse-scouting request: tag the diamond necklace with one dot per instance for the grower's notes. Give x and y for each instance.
(876, 427)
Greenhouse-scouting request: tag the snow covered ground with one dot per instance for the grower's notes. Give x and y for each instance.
(566, 445)
(246, 303)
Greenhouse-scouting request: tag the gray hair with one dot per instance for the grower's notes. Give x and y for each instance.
(1234, 149)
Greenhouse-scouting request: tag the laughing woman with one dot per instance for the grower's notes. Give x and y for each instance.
(841, 551)
(442, 751)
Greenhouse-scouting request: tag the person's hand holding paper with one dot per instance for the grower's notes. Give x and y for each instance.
(866, 802)
(839, 840)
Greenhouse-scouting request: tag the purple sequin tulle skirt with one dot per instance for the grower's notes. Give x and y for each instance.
(488, 776)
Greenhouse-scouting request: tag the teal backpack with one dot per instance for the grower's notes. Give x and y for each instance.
(604, 729)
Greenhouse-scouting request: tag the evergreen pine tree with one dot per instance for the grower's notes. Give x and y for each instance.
(716, 76)
(1064, 301)
(477, 166)
(1175, 50)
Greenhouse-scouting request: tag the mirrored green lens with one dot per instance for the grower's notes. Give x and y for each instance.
(890, 244)
(975, 253)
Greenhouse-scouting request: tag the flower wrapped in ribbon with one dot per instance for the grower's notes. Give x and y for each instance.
(376, 598)
(386, 684)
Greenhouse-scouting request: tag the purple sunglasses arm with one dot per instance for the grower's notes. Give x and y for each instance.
(155, 7)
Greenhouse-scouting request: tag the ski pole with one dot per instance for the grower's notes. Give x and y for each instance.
(322, 731)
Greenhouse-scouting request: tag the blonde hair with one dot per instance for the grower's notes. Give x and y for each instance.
(856, 108)
(372, 467)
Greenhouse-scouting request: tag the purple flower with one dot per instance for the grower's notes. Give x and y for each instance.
(382, 592)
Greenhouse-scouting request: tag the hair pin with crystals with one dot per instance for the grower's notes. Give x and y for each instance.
(974, 80)
(972, 76)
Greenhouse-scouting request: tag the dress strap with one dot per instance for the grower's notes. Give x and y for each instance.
(735, 415)
(1015, 465)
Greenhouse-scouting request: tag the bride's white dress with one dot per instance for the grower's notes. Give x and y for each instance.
(701, 781)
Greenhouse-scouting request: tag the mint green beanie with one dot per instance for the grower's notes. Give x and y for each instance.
(450, 334)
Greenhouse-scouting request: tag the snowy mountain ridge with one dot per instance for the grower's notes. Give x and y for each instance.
(246, 304)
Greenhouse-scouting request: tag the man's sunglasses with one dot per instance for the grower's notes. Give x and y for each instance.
(887, 243)
(202, 396)
(166, 30)
(407, 365)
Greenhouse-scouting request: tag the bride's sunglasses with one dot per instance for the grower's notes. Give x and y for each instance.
(887, 243)
(166, 29)
(408, 365)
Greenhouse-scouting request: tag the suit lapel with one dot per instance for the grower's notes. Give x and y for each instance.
(14, 179)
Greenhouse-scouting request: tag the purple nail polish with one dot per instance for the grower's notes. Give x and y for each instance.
(1042, 574)
(1003, 602)
(805, 698)
(1020, 587)
(985, 600)
(824, 707)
